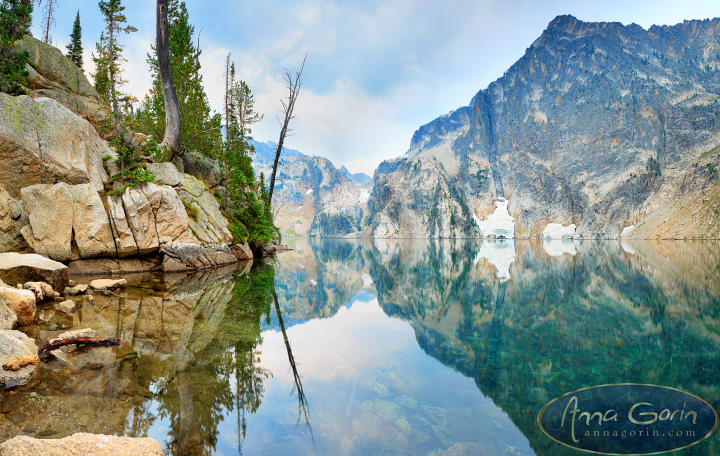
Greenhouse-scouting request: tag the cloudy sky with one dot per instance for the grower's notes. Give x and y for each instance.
(376, 69)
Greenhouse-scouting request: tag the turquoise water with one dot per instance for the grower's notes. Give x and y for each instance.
(385, 347)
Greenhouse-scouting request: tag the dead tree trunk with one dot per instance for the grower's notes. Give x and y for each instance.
(288, 107)
(171, 141)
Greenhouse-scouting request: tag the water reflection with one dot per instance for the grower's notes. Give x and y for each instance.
(381, 347)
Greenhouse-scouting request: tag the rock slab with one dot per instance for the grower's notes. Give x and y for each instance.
(30, 267)
(81, 444)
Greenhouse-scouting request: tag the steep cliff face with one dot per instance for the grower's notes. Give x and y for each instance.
(312, 197)
(599, 125)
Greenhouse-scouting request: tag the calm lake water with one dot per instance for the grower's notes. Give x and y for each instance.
(381, 347)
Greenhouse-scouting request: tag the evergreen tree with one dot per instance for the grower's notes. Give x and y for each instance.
(75, 48)
(110, 55)
(200, 129)
(250, 213)
(15, 18)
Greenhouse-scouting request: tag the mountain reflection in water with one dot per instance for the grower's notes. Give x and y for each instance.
(381, 347)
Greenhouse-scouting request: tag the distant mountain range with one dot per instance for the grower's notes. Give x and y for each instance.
(311, 196)
(360, 179)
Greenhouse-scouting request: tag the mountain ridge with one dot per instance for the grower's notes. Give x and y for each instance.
(598, 125)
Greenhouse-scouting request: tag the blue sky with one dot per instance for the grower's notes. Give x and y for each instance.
(376, 70)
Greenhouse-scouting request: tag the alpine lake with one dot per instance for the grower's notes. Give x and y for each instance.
(380, 347)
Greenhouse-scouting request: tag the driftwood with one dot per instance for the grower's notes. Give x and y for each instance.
(19, 363)
(91, 341)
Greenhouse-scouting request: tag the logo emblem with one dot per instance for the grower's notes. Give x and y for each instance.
(628, 419)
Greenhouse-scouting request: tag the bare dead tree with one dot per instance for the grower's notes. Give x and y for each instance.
(171, 141)
(226, 75)
(48, 19)
(288, 107)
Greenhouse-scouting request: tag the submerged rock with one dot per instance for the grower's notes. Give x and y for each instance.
(13, 345)
(103, 284)
(22, 268)
(81, 444)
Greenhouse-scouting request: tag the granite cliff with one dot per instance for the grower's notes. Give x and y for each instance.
(57, 197)
(599, 130)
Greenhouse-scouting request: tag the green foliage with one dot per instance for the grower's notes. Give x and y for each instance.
(75, 49)
(109, 55)
(15, 18)
(200, 129)
(191, 210)
(250, 213)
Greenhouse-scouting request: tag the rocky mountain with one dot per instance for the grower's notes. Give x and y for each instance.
(311, 196)
(360, 179)
(599, 130)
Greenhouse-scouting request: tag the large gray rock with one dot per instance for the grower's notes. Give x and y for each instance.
(155, 215)
(50, 212)
(81, 444)
(209, 226)
(165, 173)
(13, 345)
(189, 256)
(53, 75)
(124, 238)
(42, 142)
(21, 268)
(60, 214)
(91, 224)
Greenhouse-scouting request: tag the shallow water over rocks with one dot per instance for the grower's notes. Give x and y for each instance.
(384, 347)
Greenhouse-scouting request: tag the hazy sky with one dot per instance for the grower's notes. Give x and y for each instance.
(376, 69)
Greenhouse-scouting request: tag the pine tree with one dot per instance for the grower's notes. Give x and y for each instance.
(75, 49)
(250, 213)
(200, 129)
(15, 19)
(110, 55)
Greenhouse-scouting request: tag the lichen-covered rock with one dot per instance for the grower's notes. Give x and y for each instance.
(8, 319)
(42, 142)
(189, 256)
(53, 75)
(204, 168)
(165, 173)
(81, 444)
(13, 345)
(29, 267)
(210, 226)
(21, 302)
